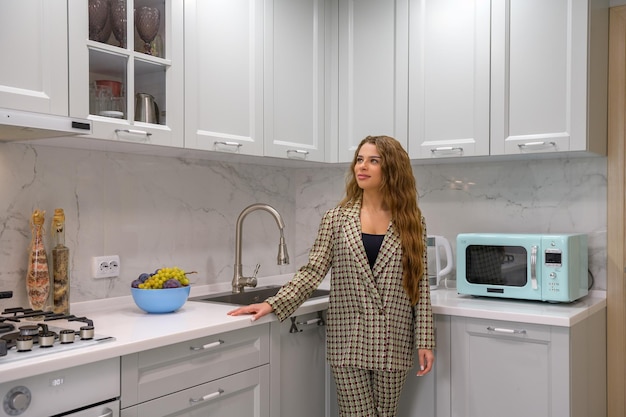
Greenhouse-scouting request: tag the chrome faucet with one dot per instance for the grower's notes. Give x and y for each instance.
(239, 281)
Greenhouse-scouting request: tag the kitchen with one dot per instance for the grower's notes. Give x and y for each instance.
(123, 203)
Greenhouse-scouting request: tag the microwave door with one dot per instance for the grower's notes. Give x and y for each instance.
(502, 270)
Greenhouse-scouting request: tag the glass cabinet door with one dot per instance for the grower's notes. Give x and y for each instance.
(126, 68)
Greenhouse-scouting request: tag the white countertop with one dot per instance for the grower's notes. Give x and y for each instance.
(135, 330)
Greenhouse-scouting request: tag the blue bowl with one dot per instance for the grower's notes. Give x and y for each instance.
(164, 300)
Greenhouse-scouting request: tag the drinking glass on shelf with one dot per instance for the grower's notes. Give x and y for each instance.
(102, 96)
(147, 21)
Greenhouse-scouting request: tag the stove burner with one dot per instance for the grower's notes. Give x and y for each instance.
(27, 333)
(24, 343)
(29, 330)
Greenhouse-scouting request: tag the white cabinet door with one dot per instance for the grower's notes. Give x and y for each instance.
(373, 73)
(296, 38)
(159, 74)
(224, 75)
(514, 369)
(548, 92)
(504, 368)
(449, 78)
(429, 396)
(303, 366)
(34, 70)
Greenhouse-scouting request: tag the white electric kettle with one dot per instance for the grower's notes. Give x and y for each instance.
(435, 271)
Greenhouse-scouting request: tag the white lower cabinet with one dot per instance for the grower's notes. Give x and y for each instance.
(429, 395)
(225, 374)
(512, 369)
(303, 371)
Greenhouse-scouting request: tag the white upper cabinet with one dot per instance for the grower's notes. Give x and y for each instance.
(507, 77)
(549, 76)
(372, 81)
(33, 74)
(449, 78)
(295, 107)
(126, 69)
(224, 75)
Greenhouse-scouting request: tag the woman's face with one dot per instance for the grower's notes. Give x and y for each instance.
(367, 170)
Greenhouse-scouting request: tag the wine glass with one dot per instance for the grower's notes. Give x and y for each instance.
(118, 17)
(99, 19)
(147, 21)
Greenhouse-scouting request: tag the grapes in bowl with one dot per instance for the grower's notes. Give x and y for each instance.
(164, 291)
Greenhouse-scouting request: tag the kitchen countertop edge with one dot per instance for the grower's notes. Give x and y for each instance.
(136, 331)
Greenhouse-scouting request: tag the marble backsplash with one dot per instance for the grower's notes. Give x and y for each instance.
(160, 211)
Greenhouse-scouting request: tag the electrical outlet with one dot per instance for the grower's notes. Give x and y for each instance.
(105, 266)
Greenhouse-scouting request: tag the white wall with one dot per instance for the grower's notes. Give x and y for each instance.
(157, 211)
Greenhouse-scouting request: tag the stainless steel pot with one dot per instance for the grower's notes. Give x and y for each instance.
(146, 109)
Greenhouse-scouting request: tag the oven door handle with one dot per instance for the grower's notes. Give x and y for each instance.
(533, 267)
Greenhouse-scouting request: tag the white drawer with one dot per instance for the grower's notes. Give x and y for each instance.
(242, 394)
(153, 373)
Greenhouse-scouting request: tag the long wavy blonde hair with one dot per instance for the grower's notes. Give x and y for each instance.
(400, 195)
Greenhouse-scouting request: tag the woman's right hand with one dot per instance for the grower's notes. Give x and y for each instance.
(258, 310)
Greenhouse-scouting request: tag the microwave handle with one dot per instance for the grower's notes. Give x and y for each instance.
(533, 267)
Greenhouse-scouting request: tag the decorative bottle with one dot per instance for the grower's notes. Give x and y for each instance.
(60, 265)
(37, 277)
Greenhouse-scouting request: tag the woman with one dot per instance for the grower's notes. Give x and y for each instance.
(379, 307)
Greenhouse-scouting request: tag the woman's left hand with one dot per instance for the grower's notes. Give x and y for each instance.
(426, 360)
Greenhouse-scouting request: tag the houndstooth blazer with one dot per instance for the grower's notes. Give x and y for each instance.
(370, 321)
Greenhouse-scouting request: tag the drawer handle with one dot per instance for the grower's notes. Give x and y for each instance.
(207, 397)
(108, 411)
(503, 330)
(207, 346)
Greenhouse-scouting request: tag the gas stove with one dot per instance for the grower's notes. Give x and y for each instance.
(27, 333)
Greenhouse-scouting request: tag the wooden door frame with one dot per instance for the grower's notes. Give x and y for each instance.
(616, 213)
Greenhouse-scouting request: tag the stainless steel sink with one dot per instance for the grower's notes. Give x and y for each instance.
(249, 296)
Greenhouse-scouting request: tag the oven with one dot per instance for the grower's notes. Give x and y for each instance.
(86, 390)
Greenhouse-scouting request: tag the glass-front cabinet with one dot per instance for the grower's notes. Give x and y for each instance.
(126, 69)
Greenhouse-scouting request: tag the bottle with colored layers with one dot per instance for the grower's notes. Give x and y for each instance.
(37, 277)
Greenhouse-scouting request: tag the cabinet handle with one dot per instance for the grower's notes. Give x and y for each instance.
(107, 413)
(309, 322)
(207, 397)
(235, 145)
(523, 146)
(207, 346)
(446, 149)
(133, 132)
(319, 320)
(297, 153)
(503, 330)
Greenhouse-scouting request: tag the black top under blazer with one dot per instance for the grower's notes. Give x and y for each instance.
(370, 321)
